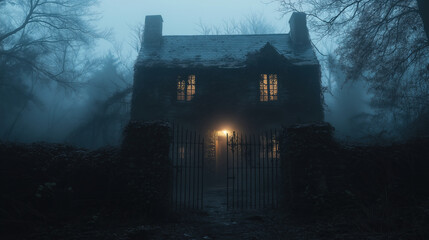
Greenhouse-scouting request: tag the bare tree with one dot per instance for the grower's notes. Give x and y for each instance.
(383, 42)
(424, 14)
(138, 36)
(255, 24)
(52, 30)
(41, 40)
(205, 29)
(108, 105)
(251, 24)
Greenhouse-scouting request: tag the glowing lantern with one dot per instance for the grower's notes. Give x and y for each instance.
(223, 132)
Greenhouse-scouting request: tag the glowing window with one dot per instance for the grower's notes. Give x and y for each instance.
(181, 85)
(268, 88)
(190, 91)
(186, 88)
(181, 152)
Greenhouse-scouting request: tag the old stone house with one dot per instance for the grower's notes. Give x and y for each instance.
(227, 82)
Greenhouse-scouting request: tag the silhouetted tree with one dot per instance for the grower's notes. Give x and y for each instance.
(383, 42)
(424, 14)
(107, 107)
(50, 30)
(138, 36)
(40, 40)
(251, 24)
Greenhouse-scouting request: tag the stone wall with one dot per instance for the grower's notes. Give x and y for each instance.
(320, 174)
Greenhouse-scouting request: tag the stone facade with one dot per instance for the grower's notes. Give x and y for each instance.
(243, 83)
(228, 72)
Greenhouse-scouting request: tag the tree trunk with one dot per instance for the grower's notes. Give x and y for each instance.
(424, 14)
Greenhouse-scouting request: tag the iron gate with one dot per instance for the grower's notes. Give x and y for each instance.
(253, 173)
(187, 158)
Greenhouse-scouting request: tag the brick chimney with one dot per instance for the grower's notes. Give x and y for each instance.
(298, 29)
(153, 31)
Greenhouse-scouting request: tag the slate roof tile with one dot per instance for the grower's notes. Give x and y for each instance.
(223, 51)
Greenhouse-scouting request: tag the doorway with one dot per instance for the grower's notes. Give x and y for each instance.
(221, 156)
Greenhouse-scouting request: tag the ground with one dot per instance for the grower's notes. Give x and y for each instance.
(213, 222)
(217, 222)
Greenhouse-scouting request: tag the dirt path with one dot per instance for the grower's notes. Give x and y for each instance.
(213, 222)
(216, 222)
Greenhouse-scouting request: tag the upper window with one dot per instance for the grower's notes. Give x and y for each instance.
(268, 88)
(185, 88)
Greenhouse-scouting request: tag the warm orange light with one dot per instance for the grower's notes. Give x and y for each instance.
(223, 132)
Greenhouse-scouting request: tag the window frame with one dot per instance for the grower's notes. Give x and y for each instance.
(186, 87)
(272, 93)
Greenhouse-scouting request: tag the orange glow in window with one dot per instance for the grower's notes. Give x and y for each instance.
(268, 88)
(186, 88)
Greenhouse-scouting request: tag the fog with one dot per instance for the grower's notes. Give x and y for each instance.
(79, 92)
(116, 123)
(180, 17)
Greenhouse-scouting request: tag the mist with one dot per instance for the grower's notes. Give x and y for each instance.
(72, 110)
(203, 119)
(79, 92)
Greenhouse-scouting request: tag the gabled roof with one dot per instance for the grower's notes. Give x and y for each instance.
(223, 51)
